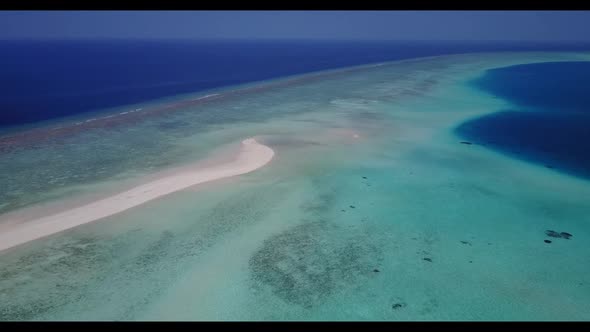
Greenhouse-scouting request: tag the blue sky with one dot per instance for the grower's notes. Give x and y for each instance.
(367, 25)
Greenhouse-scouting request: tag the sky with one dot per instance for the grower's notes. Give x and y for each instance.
(363, 25)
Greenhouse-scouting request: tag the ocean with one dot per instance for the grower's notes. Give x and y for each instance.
(375, 206)
(49, 79)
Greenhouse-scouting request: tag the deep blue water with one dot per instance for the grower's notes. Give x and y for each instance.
(550, 123)
(41, 80)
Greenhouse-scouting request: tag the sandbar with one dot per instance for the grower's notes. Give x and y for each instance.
(251, 156)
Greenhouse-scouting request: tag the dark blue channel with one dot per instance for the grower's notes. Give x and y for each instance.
(550, 122)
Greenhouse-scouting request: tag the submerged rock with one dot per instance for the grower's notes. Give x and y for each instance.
(428, 259)
(396, 306)
(352, 206)
(564, 235)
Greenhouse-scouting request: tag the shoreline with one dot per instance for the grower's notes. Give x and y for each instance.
(251, 157)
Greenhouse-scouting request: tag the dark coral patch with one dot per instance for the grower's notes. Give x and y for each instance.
(310, 262)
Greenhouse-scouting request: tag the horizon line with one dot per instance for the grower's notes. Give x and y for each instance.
(98, 38)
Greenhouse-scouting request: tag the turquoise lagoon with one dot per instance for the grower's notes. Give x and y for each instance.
(402, 222)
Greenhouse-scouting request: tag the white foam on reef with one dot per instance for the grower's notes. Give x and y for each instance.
(206, 96)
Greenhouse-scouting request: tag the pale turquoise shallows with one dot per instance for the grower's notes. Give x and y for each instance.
(400, 223)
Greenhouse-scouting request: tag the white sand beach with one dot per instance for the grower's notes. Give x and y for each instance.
(251, 156)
